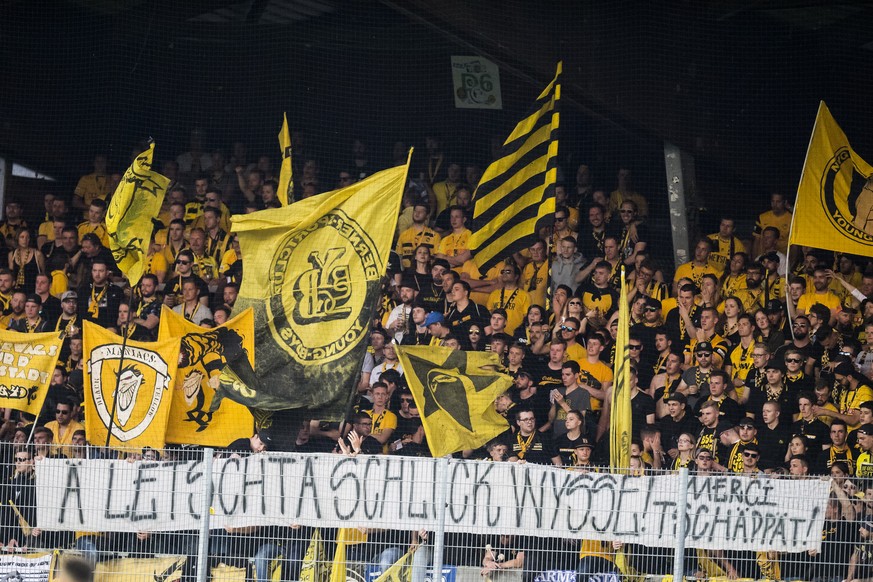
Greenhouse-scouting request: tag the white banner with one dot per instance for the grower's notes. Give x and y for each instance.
(476, 83)
(25, 567)
(723, 512)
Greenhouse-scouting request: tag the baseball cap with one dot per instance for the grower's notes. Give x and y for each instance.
(583, 443)
(434, 317)
(773, 306)
(703, 347)
(34, 298)
(441, 263)
(266, 437)
(746, 421)
(677, 397)
(844, 369)
(69, 295)
(652, 302)
(752, 446)
(866, 429)
(771, 256)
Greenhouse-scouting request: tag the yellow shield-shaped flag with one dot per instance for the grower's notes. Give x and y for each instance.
(27, 361)
(136, 401)
(201, 359)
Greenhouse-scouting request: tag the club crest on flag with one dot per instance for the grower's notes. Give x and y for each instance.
(849, 204)
(338, 251)
(141, 368)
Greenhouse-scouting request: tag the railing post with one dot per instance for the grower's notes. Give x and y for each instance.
(681, 513)
(205, 506)
(442, 478)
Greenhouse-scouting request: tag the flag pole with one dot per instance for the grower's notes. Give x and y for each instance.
(120, 367)
(793, 219)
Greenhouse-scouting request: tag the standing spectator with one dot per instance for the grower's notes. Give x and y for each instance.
(530, 444)
(92, 186)
(25, 262)
(779, 216)
(99, 300)
(725, 244)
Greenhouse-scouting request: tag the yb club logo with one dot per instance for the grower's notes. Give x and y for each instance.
(848, 198)
(142, 370)
(322, 293)
(336, 261)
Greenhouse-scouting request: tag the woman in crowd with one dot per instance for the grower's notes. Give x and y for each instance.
(25, 262)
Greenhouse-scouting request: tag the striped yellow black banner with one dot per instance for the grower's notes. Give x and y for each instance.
(515, 197)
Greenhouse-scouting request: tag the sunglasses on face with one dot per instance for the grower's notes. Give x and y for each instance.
(183, 262)
(565, 328)
(793, 360)
(651, 309)
(634, 347)
(750, 455)
(575, 303)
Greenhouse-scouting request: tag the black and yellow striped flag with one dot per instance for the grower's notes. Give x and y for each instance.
(515, 197)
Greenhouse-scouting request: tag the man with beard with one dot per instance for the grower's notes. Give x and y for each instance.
(821, 294)
(530, 444)
(7, 283)
(15, 312)
(432, 295)
(417, 235)
(566, 264)
(147, 314)
(591, 236)
(91, 252)
(510, 297)
(855, 389)
(801, 343)
(753, 296)
(398, 319)
(68, 321)
(99, 300)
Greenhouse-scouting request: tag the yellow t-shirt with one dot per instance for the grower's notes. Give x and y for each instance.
(721, 252)
(453, 244)
(535, 280)
(91, 187)
(782, 223)
(515, 302)
(411, 238)
(600, 372)
(852, 400)
(99, 229)
(695, 273)
(827, 299)
(60, 283)
(47, 229)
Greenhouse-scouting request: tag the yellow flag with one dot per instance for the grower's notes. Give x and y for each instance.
(136, 201)
(163, 569)
(27, 361)
(834, 208)
(620, 403)
(192, 421)
(144, 390)
(286, 176)
(313, 275)
(345, 536)
(400, 571)
(515, 198)
(314, 567)
(455, 393)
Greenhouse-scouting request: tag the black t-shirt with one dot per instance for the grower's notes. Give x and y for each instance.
(641, 406)
(670, 429)
(708, 439)
(539, 404)
(460, 320)
(606, 299)
(536, 448)
(773, 444)
(757, 398)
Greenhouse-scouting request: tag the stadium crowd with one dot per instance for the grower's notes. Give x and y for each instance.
(744, 360)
